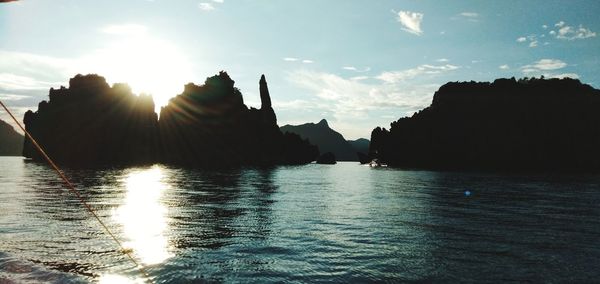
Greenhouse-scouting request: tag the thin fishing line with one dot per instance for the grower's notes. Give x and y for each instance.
(73, 190)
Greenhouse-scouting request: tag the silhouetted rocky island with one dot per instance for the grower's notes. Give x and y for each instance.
(529, 124)
(91, 123)
(11, 142)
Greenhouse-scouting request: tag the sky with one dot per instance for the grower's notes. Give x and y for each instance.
(358, 64)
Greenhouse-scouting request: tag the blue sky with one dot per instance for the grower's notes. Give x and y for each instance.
(359, 64)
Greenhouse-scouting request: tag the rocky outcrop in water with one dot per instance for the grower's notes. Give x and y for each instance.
(92, 123)
(11, 142)
(529, 124)
(208, 125)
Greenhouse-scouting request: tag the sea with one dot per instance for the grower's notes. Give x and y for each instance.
(342, 223)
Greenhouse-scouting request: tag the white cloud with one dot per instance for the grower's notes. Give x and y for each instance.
(12, 97)
(504, 67)
(411, 21)
(533, 43)
(307, 61)
(544, 27)
(442, 60)
(205, 6)
(354, 101)
(10, 81)
(565, 75)
(572, 33)
(425, 69)
(469, 14)
(352, 68)
(522, 39)
(290, 59)
(359, 78)
(559, 24)
(125, 29)
(552, 33)
(218, 1)
(543, 66)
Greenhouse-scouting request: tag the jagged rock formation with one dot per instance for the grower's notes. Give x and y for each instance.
(530, 124)
(210, 125)
(11, 142)
(327, 139)
(327, 159)
(92, 123)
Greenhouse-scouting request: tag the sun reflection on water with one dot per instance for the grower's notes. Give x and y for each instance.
(143, 216)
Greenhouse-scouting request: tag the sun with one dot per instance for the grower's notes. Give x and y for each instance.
(148, 64)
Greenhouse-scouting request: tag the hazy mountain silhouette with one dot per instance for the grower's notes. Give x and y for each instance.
(327, 139)
(360, 145)
(11, 142)
(529, 124)
(91, 123)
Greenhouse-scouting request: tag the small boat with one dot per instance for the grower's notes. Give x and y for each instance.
(375, 163)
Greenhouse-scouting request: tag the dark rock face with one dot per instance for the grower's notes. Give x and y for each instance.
(327, 139)
(327, 158)
(11, 142)
(209, 125)
(92, 123)
(530, 124)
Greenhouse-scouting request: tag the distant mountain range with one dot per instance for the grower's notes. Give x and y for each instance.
(11, 142)
(329, 140)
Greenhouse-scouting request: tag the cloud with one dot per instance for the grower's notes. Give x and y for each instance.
(218, 1)
(359, 78)
(442, 60)
(357, 106)
(411, 21)
(533, 42)
(352, 68)
(45, 68)
(504, 67)
(307, 61)
(205, 6)
(545, 64)
(469, 16)
(125, 29)
(290, 59)
(565, 75)
(425, 69)
(572, 33)
(544, 27)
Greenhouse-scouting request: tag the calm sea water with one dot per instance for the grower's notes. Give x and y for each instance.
(312, 223)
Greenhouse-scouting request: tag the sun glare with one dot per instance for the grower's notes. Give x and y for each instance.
(143, 216)
(149, 65)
